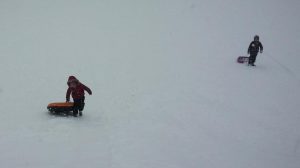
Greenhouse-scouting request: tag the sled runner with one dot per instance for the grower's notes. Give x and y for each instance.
(60, 107)
(242, 59)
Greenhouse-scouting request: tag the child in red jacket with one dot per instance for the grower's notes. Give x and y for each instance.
(77, 90)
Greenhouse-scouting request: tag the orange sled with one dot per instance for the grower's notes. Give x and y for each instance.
(60, 107)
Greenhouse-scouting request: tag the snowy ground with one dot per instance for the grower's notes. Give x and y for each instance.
(167, 91)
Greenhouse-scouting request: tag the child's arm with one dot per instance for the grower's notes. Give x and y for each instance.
(249, 48)
(261, 47)
(68, 95)
(87, 89)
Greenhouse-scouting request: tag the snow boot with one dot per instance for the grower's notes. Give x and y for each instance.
(75, 113)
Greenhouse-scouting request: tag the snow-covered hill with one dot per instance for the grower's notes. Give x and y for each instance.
(167, 91)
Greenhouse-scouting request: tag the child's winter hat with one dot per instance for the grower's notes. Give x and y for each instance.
(72, 79)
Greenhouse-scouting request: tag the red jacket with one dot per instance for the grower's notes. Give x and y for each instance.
(78, 91)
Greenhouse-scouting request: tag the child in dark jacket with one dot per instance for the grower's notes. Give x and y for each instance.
(253, 49)
(77, 90)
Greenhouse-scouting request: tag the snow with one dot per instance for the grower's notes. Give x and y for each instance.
(167, 91)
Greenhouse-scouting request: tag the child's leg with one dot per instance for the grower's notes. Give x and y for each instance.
(254, 58)
(76, 106)
(81, 106)
(250, 59)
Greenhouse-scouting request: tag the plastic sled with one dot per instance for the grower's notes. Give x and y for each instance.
(242, 59)
(60, 107)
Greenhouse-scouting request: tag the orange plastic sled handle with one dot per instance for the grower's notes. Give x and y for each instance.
(61, 104)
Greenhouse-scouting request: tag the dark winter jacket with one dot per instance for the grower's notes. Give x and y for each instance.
(255, 47)
(77, 91)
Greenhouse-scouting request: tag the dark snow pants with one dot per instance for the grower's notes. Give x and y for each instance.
(78, 105)
(252, 58)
